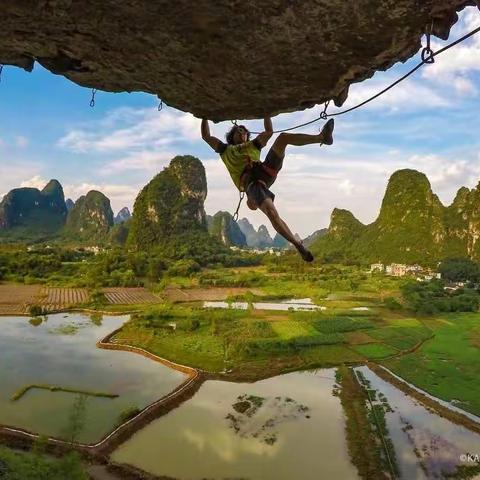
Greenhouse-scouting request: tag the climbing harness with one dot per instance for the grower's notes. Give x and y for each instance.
(428, 57)
(92, 101)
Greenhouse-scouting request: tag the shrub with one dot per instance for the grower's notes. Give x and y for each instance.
(392, 303)
(35, 310)
(128, 413)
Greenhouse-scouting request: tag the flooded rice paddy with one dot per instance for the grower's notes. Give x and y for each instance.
(426, 445)
(61, 351)
(289, 426)
(304, 304)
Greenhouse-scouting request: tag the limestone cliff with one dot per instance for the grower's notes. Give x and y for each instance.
(171, 205)
(289, 55)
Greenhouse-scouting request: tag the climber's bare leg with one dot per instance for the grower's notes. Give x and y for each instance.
(268, 208)
(299, 139)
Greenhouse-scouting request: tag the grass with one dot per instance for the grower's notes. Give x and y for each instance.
(292, 329)
(53, 388)
(362, 441)
(242, 339)
(375, 350)
(448, 365)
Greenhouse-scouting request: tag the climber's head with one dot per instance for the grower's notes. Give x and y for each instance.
(237, 134)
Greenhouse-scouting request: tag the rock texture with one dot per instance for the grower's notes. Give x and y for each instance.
(91, 218)
(38, 211)
(122, 216)
(225, 229)
(255, 239)
(171, 205)
(412, 227)
(224, 59)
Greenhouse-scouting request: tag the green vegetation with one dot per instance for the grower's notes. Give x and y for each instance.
(245, 340)
(128, 413)
(448, 364)
(53, 388)
(412, 227)
(47, 264)
(90, 219)
(28, 213)
(431, 297)
(222, 227)
(460, 270)
(38, 466)
(363, 442)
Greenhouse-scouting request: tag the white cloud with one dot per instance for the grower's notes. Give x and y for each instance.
(37, 181)
(145, 160)
(126, 129)
(119, 195)
(21, 141)
(15, 175)
(455, 66)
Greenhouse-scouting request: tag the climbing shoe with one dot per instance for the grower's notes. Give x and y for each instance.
(327, 132)
(306, 254)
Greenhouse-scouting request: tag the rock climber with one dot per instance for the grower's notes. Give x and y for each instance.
(241, 156)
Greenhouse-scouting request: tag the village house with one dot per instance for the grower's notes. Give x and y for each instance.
(398, 269)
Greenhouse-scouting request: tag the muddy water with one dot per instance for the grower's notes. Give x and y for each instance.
(425, 444)
(293, 428)
(62, 352)
(293, 304)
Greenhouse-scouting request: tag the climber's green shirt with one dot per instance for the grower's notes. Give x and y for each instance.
(236, 157)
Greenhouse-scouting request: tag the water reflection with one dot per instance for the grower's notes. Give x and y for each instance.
(305, 304)
(61, 351)
(425, 444)
(197, 440)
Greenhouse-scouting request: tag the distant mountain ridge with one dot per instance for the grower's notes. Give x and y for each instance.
(413, 226)
(226, 230)
(30, 214)
(32, 211)
(122, 216)
(91, 217)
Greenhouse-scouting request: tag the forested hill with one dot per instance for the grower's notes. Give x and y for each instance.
(412, 227)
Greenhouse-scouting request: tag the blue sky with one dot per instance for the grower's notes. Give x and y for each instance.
(430, 123)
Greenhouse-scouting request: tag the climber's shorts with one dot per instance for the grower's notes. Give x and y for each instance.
(263, 177)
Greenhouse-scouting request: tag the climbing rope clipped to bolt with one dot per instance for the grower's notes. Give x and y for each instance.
(428, 57)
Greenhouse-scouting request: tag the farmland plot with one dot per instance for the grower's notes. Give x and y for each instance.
(129, 296)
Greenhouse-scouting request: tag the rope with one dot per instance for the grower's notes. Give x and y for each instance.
(428, 56)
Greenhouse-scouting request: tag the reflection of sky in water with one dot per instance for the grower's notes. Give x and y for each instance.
(36, 355)
(195, 440)
(284, 305)
(439, 441)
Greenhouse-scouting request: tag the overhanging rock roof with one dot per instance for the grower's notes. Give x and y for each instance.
(223, 59)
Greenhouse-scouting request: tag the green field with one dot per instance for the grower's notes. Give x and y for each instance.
(448, 365)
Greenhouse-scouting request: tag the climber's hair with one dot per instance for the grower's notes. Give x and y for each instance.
(229, 135)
